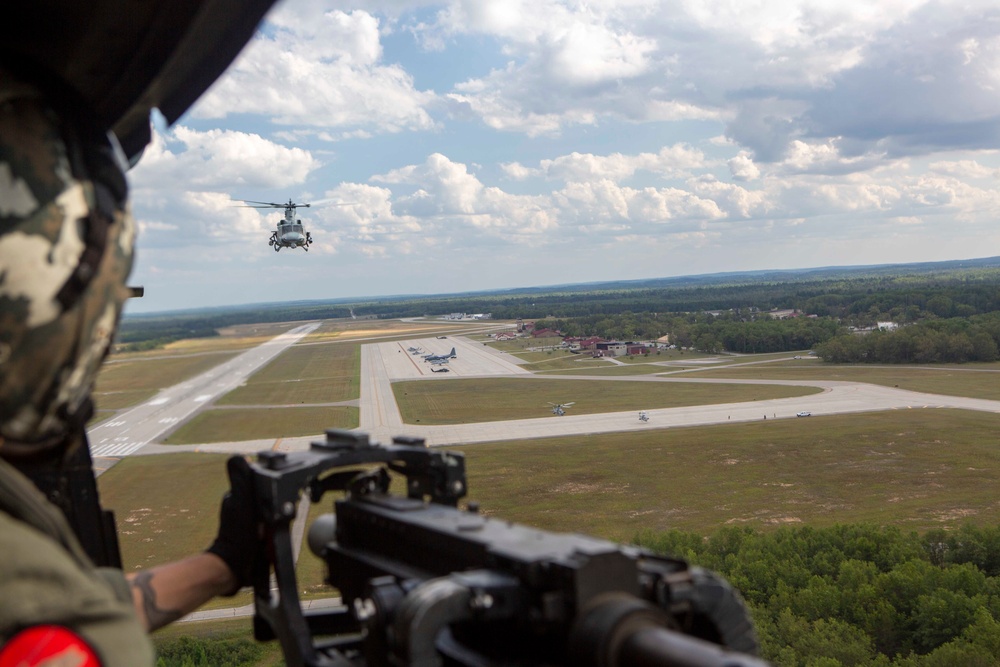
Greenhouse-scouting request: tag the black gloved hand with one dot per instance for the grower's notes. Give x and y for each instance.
(239, 543)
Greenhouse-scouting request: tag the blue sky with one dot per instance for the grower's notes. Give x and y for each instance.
(490, 145)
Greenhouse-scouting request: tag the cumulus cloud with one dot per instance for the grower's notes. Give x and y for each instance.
(320, 68)
(742, 167)
(965, 169)
(670, 162)
(220, 159)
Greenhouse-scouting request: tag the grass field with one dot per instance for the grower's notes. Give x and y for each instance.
(303, 374)
(167, 506)
(570, 363)
(916, 469)
(973, 380)
(548, 355)
(514, 398)
(109, 402)
(151, 373)
(258, 423)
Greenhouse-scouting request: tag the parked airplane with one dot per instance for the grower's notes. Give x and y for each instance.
(439, 362)
(439, 357)
(415, 350)
(643, 416)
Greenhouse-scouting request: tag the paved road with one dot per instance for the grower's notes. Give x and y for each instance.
(131, 430)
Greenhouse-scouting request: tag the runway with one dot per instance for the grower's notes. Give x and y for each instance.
(385, 362)
(131, 430)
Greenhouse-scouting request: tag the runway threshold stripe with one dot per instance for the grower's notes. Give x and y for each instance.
(116, 450)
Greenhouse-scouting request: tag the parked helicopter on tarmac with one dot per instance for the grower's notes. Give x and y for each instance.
(559, 409)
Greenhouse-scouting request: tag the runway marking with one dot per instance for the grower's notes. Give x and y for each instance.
(158, 401)
(202, 398)
(116, 450)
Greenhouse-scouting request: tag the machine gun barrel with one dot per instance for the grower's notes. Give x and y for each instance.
(656, 647)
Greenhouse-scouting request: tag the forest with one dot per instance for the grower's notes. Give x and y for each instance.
(953, 340)
(860, 595)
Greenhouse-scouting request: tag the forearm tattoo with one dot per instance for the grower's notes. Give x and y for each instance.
(155, 617)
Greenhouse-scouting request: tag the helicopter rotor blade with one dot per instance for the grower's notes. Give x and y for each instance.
(263, 203)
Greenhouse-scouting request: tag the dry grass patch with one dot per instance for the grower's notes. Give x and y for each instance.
(166, 507)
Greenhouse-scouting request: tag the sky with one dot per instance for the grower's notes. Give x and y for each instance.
(468, 145)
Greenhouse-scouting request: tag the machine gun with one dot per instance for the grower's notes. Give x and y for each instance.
(425, 583)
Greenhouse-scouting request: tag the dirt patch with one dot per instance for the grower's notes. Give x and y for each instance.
(956, 513)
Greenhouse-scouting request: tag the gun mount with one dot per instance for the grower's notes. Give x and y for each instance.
(425, 583)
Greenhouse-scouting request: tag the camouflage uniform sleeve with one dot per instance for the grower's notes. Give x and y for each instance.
(41, 584)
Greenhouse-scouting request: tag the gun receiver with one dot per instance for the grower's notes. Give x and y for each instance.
(427, 584)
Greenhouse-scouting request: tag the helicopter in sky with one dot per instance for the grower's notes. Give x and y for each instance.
(560, 408)
(289, 233)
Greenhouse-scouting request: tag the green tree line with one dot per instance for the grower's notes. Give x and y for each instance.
(648, 309)
(860, 595)
(953, 340)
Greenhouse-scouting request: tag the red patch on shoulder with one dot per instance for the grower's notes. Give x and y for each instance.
(47, 646)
